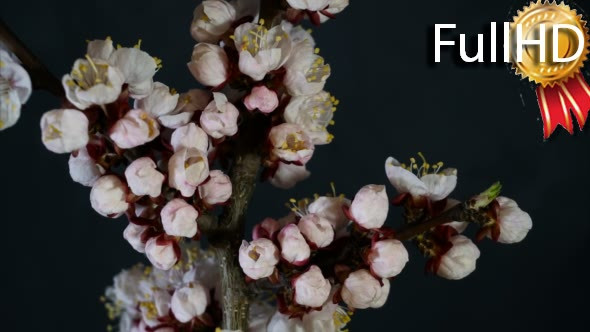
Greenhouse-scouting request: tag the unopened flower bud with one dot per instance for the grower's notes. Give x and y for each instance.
(162, 256)
(370, 206)
(83, 169)
(263, 99)
(294, 248)
(459, 261)
(311, 288)
(317, 230)
(217, 189)
(209, 64)
(179, 218)
(143, 178)
(108, 196)
(361, 290)
(388, 258)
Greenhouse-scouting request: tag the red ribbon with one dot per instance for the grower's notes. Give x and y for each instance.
(556, 102)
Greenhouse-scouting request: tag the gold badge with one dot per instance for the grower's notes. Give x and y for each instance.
(549, 14)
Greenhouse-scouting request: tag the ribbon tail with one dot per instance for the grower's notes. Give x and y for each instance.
(558, 102)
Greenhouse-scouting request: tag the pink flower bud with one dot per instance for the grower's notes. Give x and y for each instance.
(190, 136)
(188, 168)
(294, 248)
(132, 234)
(288, 175)
(388, 258)
(317, 230)
(311, 288)
(179, 218)
(330, 208)
(514, 223)
(361, 290)
(162, 256)
(263, 99)
(84, 169)
(370, 206)
(220, 117)
(209, 64)
(143, 178)
(136, 128)
(217, 189)
(108, 196)
(266, 229)
(290, 143)
(189, 302)
(459, 261)
(64, 130)
(258, 258)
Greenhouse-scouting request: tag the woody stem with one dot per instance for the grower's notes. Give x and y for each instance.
(41, 77)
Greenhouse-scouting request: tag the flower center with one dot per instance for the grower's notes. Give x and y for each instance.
(52, 133)
(258, 39)
(88, 74)
(424, 168)
(319, 71)
(293, 143)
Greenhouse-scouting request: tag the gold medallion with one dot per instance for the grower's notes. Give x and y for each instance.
(548, 73)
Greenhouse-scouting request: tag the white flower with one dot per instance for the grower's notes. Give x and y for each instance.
(159, 102)
(514, 223)
(288, 175)
(314, 114)
(126, 285)
(434, 186)
(143, 178)
(335, 7)
(361, 290)
(370, 206)
(317, 230)
(108, 196)
(92, 82)
(306, 71)
(311, 288)
(189, 302)
(330, 208)
(132, 234)
(311, 5)
(136, 128)
(220, 117)
(190, 136)
(209, 64)
(64, 130)
(261, 50)
(188, 102)
(217, 189)
(211, 19)
(262, 99)
(297, 33)
(294, 248)
(258, 258)
(188, 168)
(459, 261)
(138, 69)
(83, 169)
(15, 89)
(387, 258)
(291, 144)
(179, 218)
(162, 255)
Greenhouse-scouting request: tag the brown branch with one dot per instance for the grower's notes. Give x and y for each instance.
(41, 77)
(474, 210)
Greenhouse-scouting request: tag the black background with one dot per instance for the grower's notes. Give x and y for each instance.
(58, 254)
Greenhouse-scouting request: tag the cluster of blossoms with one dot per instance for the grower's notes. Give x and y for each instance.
(15, 88)
(146, 150)
(331, 249)
(184, 298)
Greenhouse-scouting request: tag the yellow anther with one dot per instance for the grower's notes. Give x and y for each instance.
(262, 21)
(138, 45)
(293, 200)
(317, 50)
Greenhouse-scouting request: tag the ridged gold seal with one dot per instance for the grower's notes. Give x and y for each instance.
(531, 17)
